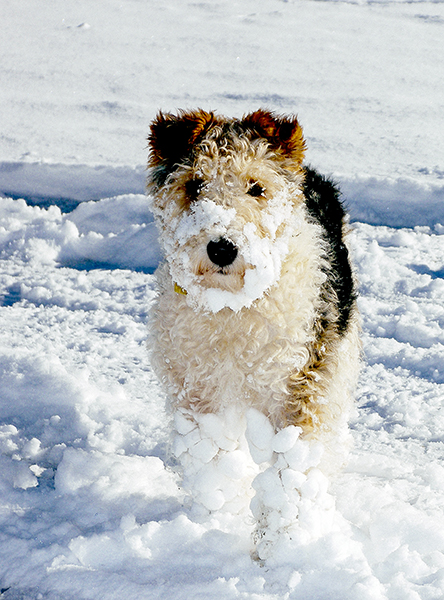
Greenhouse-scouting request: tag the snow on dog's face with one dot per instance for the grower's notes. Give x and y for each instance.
(225, 194)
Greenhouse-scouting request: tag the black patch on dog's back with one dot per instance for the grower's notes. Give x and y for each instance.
(325, 207)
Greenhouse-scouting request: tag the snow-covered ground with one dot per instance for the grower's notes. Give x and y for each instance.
(87, 508)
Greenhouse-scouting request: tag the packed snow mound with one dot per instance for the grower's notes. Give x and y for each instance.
(394, 202)
(113, 232)
(66, 185)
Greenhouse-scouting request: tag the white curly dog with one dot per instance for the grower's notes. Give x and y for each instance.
(254, 331)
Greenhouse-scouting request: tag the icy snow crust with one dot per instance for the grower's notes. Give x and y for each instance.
(88, 508)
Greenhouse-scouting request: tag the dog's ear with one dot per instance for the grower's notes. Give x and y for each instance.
(284, 134)
(172, 137)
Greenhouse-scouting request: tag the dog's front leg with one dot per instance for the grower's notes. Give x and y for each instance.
(215, 463)
(292, 506)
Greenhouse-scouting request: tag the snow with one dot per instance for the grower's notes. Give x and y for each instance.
(88, 508)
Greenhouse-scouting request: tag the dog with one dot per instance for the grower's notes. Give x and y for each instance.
(257, 301)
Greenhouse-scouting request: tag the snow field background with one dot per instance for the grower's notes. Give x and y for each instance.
(87, 507)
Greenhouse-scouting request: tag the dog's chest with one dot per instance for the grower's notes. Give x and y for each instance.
(246, 355)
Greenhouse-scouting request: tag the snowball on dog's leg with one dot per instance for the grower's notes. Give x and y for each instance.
(217, 469)
(292, 504)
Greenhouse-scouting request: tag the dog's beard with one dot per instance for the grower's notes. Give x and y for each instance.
(261, 250)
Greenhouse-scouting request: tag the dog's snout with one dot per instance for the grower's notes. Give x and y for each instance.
(222, 252)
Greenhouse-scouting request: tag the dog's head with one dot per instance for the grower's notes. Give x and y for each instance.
(225, 193)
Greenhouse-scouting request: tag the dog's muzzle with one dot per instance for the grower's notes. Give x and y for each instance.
(222, 252)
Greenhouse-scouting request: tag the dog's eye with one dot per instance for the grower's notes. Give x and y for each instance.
(193, 188)
(256, 189)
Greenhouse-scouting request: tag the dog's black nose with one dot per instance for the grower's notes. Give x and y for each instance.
(222, 253)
